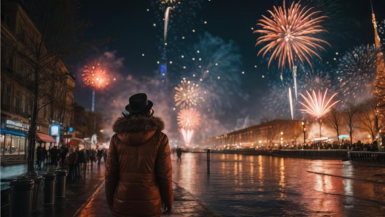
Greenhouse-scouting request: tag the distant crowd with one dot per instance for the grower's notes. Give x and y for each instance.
(73, 157)
(359, 146)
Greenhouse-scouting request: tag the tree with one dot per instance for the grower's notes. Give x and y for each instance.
(368, 116)
(350, 121)
(334, 120)
(50, 38)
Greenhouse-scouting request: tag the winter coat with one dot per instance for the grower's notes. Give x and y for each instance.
(71, 158)
(138, 168)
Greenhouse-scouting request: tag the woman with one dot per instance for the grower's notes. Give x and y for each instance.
(138, 168)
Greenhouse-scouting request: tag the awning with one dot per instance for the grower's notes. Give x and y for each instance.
(45, 138)
(75, 141)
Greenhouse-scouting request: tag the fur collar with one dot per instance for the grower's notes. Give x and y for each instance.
(138, 123)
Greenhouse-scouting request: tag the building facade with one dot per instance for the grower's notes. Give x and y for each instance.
(18, 35)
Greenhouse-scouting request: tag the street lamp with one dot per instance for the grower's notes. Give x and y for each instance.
(304, 132)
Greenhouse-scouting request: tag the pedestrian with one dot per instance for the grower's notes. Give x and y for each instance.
(99, 154)
(88, 152)
(45, 155)
(93, 156)
(179, 154)
(82, 160)
(138, 178)
(63, 154)
(71, 160)
(39, 156)
(54, 155)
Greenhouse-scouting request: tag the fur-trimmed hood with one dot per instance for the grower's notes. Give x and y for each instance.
(136, 130)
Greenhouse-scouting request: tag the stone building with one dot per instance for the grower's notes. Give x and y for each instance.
(18, 35)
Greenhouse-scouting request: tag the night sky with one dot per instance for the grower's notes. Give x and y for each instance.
(131, 25)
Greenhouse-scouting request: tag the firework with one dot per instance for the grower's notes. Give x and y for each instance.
(166, 19)
(317, 105)
(187, 135)
(356, 73)
(167, 1)
(289, 34)
(189, 118)
(187, 94)
(95, 76)
(291, 104)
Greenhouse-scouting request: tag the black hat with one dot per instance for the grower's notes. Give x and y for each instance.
(139, 105)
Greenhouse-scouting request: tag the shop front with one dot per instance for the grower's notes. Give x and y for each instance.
(13, 140)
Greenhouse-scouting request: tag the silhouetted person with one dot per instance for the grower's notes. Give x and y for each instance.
(179, 154)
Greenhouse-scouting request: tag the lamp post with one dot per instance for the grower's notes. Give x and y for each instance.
(304, 132)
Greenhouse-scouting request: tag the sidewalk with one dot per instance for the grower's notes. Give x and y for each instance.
(86, 197)
(184, 205)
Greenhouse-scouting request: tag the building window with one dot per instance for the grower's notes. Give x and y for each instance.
(23, 104)
(9, 60)
(6, 19)
(22, 145)
(8, 143)
(17, 100)
(8, 94)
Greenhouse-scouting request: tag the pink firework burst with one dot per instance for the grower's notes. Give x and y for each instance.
(317, 105)
(189, 118)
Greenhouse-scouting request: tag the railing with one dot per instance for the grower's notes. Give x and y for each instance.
(332, 153)
(367, 156)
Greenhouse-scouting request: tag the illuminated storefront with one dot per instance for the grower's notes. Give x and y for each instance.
(13, 137)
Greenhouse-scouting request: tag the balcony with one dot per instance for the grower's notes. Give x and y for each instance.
(14, 110)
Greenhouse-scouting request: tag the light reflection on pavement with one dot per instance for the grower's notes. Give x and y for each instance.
(242, 185)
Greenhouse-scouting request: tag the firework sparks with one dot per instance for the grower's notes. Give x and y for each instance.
(356, 73)
(95, 76)
(289, 34)
(317, 105)
(187, 94)
(189, 118)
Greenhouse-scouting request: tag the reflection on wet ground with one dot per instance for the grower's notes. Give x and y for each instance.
(241, 185)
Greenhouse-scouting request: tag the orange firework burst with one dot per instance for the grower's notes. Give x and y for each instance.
(189, 118)
(95, 76)
(319, 105)
(289, 34)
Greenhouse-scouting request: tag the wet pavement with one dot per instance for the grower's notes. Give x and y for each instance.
(242, 185)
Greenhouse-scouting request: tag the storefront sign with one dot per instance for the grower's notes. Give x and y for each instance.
(16, 125)
(55, 130)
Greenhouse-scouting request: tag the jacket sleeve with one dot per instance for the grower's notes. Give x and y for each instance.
(112, 172)
(164, 173)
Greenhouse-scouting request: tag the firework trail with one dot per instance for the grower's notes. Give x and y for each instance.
(278, 101)
(317, 105)
(166, 19)
(295, 81)
(289, 34)
(356, 73)
(187, 135)
(291, 104)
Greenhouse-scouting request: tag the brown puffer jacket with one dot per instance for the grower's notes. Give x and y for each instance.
(138, 168)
